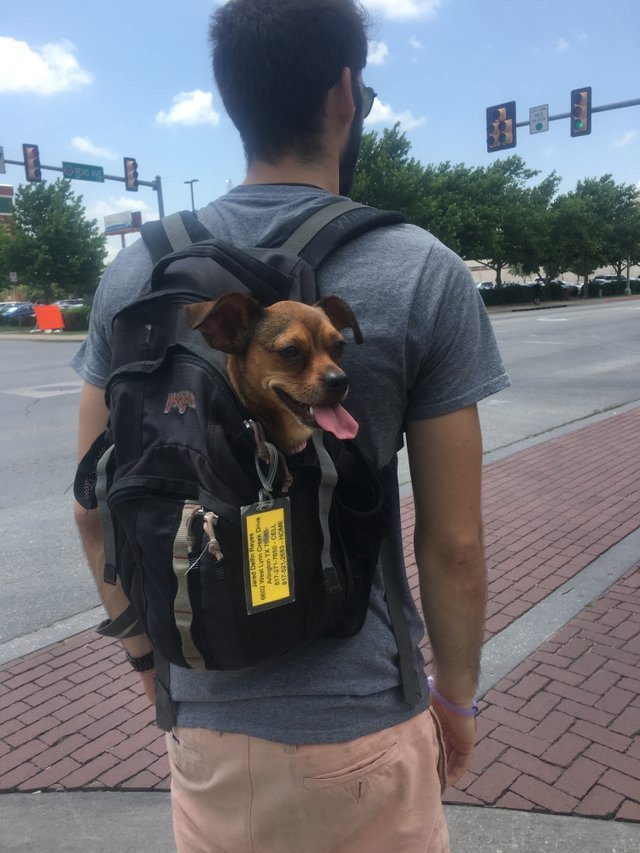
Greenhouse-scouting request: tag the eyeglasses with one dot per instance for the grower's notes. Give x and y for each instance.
(368, 97)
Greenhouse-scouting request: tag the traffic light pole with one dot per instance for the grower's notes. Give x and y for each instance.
(155, 185)
(604, 108)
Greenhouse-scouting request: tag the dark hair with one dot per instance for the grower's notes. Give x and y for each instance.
(275, 61)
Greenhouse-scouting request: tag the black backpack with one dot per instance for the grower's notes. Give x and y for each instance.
(230, 554)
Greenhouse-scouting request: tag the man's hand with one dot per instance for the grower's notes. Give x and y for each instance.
(459, 735)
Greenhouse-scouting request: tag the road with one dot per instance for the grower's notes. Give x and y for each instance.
(566, 364)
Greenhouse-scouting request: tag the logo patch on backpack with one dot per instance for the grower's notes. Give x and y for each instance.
(180, 400)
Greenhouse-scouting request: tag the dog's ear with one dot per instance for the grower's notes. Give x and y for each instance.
(341, 315)
(226, 323)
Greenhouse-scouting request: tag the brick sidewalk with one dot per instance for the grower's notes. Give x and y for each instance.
(555, 735)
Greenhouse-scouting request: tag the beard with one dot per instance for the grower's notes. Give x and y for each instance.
(349, 159)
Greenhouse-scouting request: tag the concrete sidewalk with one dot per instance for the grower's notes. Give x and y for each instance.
(560, 708)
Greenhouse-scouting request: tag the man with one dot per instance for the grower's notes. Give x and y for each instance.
(319, 751)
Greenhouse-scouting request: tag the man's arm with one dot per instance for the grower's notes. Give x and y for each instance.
(445, 457)
(92, 421)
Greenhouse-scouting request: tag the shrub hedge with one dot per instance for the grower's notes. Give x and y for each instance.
(76, 319)
(518, 294)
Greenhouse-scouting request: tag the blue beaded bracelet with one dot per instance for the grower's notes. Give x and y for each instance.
(473, 711)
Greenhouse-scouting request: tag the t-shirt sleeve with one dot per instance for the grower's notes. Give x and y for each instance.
(458, 361)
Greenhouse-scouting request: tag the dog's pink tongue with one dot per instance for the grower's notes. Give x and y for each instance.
(337, 420)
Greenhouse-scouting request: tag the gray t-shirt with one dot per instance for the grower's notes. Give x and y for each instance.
(428, 350)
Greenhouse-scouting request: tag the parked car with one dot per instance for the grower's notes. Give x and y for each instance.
(572, 288)
(4, 306)
(485, 285)
(70, 303)
(604, 279)
(22, 310)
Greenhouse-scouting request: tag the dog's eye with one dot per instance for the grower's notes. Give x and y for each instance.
(289, 353)
(338, 348)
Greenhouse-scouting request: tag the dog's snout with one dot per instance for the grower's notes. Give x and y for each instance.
(336, 381)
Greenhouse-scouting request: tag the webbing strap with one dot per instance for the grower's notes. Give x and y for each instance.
(305, 233)
(110, 574)
(328, 480)
(125, 625)
(182, 608)
(406, 650)
(166, 716)
(176, 232)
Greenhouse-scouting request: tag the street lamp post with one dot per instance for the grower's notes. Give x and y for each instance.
(191, 183)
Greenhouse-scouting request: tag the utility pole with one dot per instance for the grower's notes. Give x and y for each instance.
(191, 183)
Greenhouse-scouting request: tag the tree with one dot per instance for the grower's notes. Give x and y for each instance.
(623, 226)
(514, 216)
(53, 247)
(386, 176)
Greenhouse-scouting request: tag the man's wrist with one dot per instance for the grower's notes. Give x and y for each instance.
(144, 663)
(466, 710)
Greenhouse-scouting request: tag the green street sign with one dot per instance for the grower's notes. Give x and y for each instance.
(82, 172)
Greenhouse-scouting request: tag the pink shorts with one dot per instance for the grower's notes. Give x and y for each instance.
(241, 794)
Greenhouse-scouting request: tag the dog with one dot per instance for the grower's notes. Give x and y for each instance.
(284, 362)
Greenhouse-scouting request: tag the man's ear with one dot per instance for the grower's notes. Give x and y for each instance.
(341, 315)
(226, 323)
(341, 98)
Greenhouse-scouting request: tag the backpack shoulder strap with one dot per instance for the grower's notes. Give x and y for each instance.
(314, 237)
(173, 233)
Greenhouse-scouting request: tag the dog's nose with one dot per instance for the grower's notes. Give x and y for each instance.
(336, 381)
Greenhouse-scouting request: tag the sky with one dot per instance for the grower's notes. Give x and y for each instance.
(94, 82)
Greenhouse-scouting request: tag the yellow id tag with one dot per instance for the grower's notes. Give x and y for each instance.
(266, 553)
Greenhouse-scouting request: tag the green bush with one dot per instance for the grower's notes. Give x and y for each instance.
(76, 319)
(492, 297)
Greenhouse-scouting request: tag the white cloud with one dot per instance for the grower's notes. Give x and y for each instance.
(378, 52)
(384, 114)
(562, 45)
(84, 144)
(46, 70)
(404, 10)
(190, 108)
(626, 138)
(415, 43)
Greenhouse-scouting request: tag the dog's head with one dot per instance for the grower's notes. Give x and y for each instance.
(284, 361)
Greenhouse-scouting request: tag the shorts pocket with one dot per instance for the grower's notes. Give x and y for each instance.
(184, 753)
(357, 770)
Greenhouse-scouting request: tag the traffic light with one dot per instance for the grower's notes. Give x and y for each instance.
(131, 174)
(501, 126)
(32, 163)
(581, 111)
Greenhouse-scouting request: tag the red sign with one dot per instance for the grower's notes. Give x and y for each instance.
(48, 317)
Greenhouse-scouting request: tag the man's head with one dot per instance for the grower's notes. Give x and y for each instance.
(275, 62)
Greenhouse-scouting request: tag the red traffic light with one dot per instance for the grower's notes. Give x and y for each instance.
(131, 174)
(501, 126)
(32, 163)
(581, 111)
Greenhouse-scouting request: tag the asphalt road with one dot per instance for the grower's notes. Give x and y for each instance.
(566, 364)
